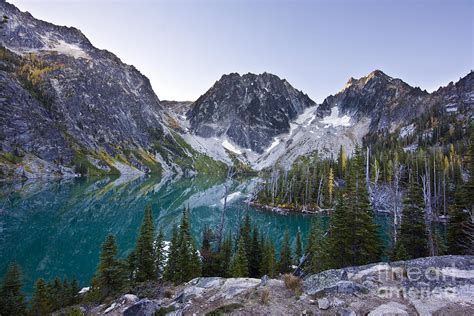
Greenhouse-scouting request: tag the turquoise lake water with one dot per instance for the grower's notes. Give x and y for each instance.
(56, 228)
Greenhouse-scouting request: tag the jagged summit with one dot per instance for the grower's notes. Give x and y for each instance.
(248, 109)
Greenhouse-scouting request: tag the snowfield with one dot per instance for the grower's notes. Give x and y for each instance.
(335, 120)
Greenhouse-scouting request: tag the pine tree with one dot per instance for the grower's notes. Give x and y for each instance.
(239, 265)
(316, 260)
(225, 257)
(413, 237)
(159, 254)
(207, 254)
(55, 290)
(41, 303)
(183, 261)
(298, 248)
(12, 300)
(284, 265)
(338, 241)
(74, 291)
(146, 268)
(65, 294)
(461, 227)
(365, 243)
(110, 272)
(268, 264)
(255, 256)
(460, 235)
(171, 263)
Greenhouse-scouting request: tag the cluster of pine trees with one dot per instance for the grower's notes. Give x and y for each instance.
(249, 254)
(48, 296)
(427, 191)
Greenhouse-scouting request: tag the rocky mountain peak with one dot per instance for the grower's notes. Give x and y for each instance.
(247, 109)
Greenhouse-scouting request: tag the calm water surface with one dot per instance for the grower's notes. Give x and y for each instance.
(56, 228)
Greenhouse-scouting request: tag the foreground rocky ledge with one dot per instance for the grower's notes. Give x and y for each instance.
(426, 286)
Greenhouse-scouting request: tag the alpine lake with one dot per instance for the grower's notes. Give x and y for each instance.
(56, 228)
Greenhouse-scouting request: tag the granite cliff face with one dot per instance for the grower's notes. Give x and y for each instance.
(249, 110)
(75, 108)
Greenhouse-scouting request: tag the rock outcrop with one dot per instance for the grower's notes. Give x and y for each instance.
(425, 286)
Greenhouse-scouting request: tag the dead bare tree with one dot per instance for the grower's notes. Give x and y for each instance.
(426, 182)
(227, 184)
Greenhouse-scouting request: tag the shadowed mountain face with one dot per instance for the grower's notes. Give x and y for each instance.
(250, 109)
(65, 102)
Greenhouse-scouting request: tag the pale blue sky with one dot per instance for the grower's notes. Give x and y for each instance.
(185, 46)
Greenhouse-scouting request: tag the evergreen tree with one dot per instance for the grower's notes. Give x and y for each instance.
(55, 290)
(413, 237)
(268, 264)
(461, 227)
(339, 242)
(12, 300)
(159, 254)
(207, 254)
(298, 248)
(255, 256)
(66, 293)
(109, 277)
(172, 260)
(284, 265)
(146, 269)
(316, 260)
(365, 243)
(460, 236)
(74, 291)
(41, 303)
(185, 263)
(225, 257)
(239, 265)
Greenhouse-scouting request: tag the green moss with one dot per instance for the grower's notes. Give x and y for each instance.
(8, 157)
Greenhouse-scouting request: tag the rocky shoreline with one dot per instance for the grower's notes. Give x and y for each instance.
(426, 286)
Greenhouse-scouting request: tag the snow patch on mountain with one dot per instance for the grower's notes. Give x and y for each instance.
(227, 145)
(335, 120)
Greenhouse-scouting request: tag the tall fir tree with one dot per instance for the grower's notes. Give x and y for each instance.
(225, 257)
(255, 256)
(365, 242)
(146, 269)
(74, 291)
(284, 265)
(184, 255)
(239, 264)
(12, 300)
(207, 254)
(460, 236)
(172, 261)
(338, 240)
(268, 263)
(41, 303)
(316, 254)
(413, 237)
(110, 274)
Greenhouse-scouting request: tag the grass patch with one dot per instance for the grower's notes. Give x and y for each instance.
(293, 283)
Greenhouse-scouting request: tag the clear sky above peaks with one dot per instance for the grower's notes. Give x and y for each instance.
(185, 46)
